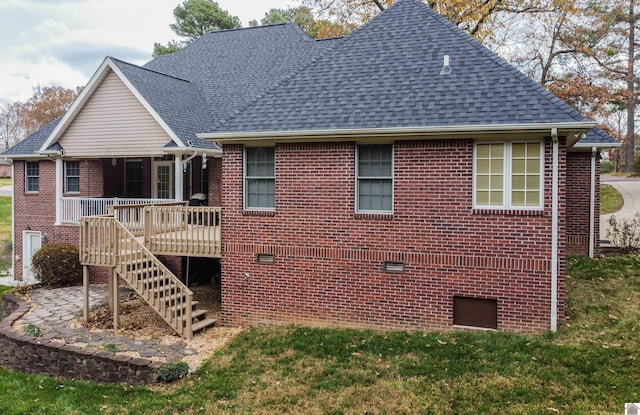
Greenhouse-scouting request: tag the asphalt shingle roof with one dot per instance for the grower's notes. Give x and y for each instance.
(32, 144)
(233, 67)
(596, 137)
(387, 74)
(178, 102)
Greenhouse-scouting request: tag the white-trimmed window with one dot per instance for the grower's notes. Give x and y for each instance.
(374, 178)
(259, 178)
(508, 175)
(71, 176)
(32, 177)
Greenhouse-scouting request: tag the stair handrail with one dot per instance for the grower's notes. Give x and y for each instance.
(128, 237)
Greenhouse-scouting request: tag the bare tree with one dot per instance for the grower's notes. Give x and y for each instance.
(10, 127)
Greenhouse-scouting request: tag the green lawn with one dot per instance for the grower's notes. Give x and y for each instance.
(5, 217)
(5, 181)
(589, 367)
(610, 199)
(5, 232)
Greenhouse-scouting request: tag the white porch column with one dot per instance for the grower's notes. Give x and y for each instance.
(179, 179)
(59, 189)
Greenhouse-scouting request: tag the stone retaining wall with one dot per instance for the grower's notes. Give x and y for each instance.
(32, 355)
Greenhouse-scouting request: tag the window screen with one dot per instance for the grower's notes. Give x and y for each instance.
(375, 178)
(260, 180)
(72, 176)
(32, 176)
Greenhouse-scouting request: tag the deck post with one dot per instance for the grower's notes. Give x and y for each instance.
(85, 286)
(189, 321)
(116, 309)
(110, 289)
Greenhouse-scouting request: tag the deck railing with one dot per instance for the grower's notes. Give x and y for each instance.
(183, 230)
(98, 241)
(132, 216)
(74, 208)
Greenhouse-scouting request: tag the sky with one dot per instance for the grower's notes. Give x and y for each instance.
(63, 42)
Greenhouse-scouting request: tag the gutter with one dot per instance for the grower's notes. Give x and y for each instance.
(443, 130)
(601, 146)
(592, 202)
(554, 232)
(213, 152)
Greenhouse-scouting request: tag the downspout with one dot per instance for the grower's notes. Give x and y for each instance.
(13, 218)
(554, 231)
(188, 159)
(592, 203)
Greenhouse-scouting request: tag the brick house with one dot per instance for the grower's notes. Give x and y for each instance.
(403, 176)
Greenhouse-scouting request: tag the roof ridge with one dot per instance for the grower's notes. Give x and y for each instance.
(148, 70)
(528, 82)
(202, 38)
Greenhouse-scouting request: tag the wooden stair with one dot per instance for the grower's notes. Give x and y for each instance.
(147, 275)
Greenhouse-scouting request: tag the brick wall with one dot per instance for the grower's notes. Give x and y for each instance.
(578, 200)
(215, 179)
(329, 260)
(37, 211)
(91, 179)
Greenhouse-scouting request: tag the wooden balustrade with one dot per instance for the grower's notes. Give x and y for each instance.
(183, 230)
(98, 241)
(132, 216)
(74, 208)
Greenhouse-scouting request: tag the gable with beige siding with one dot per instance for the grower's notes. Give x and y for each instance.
(113, 122)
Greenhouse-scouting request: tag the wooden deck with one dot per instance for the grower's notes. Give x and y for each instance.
(196, 240)
(128, 240)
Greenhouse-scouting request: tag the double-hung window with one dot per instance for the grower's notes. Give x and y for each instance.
(374, 165)
(259, 178)
(72, 176)
(32, 177)
(508, 175)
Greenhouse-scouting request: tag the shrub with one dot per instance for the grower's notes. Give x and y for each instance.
(625, 233)
(57, 265)
(607, 167)
(172, 371)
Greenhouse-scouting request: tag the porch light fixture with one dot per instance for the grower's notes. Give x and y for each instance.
(114, 162)
(204, 161)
